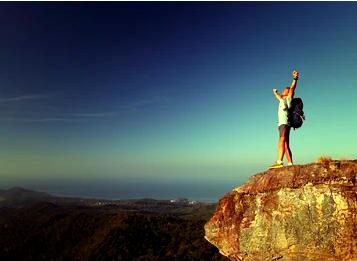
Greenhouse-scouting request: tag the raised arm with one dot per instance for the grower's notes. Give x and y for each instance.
(293, 84)
(276, 94)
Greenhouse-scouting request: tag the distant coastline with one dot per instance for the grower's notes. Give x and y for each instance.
(125, 191)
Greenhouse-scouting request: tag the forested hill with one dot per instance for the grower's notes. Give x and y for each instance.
(144, 229)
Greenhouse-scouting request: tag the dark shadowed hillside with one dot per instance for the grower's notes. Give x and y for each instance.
(48, 230)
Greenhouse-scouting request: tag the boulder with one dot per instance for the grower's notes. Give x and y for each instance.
(303, 212)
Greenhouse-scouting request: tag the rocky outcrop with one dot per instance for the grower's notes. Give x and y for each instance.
(303, 212)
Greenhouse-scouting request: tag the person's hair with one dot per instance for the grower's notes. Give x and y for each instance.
(286, 88)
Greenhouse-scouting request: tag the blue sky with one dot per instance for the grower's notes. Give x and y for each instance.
(174, 93)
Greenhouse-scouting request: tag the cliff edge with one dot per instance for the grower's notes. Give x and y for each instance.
(304, 212)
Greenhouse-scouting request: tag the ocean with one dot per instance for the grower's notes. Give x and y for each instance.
(208, 192)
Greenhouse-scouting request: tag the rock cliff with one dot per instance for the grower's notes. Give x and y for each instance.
(303, 212)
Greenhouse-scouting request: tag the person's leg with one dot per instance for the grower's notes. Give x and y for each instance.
(288, 153)
(281, 143)
(281, 147)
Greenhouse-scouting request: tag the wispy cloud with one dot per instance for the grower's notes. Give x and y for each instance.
(92, 115)
(58, 116)
(24, 98)
(143, 102)
(67, 117)
(50, 119)
(153, 100)
(54, 119)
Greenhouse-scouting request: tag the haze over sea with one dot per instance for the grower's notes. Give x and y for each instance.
(203, 192)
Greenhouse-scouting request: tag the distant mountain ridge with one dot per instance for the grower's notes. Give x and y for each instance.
(19, 193)
(38, 226)
(20, 197)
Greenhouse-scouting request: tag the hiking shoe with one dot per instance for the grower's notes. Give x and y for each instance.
(276, 166)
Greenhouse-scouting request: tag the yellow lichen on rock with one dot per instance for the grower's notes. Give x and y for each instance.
(304, 213)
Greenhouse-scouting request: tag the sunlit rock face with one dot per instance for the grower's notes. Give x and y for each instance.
(305, 212)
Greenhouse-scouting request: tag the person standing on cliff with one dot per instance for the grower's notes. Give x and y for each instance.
(283, 125)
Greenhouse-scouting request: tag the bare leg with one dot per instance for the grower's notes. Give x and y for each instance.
(288, 152)
(281, 148)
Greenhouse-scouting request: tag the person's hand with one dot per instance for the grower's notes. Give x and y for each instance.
(295, 75)
(275, 90)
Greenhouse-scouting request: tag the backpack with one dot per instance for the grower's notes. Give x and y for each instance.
(296, 115)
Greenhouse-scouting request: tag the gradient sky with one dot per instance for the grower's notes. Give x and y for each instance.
(171, 93)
